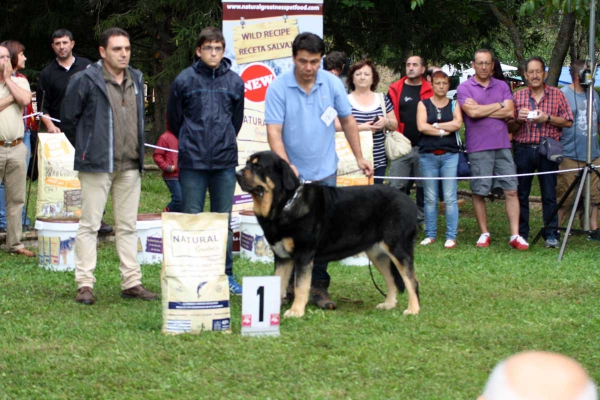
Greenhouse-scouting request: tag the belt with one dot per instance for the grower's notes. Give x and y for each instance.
(438, 152)
(11, 143)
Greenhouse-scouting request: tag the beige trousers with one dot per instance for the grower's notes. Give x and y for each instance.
(13, 170)
(125, 188)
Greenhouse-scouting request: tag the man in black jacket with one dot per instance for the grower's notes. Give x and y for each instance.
(53, 82)
(103, 114)
(206, 111)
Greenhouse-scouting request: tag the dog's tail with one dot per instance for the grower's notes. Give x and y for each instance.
(397, 278)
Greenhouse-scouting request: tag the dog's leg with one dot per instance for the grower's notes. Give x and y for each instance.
(283, 269)
(412, 285)
(382, 262)
(301, 290)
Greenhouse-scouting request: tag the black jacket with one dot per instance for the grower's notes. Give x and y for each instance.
(206, 111)
(87, 120)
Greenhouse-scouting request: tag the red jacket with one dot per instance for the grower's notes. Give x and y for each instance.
(165, 159)
(396, 90)
(30, 122)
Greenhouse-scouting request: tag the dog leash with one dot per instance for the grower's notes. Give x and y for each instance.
(373, 278)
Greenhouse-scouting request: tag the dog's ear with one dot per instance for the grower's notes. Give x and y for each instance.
(290, 181)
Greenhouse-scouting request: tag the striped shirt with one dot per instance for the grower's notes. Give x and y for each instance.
(554, 103)
(364, 114)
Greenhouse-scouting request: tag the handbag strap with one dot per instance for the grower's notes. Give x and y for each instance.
(457, 132)
(382, 103)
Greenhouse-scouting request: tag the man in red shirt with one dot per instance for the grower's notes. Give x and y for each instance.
(405, 95)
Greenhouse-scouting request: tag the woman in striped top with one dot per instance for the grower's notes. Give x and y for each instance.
(366, 106)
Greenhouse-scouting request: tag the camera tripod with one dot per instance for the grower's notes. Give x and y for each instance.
(579, 181)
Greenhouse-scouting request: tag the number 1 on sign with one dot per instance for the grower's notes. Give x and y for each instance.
(261, 303)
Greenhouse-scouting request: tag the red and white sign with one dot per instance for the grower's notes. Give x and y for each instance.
(275, 319)
(247, 320)
(257, 78)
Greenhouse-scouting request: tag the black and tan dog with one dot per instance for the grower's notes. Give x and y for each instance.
(309, 222)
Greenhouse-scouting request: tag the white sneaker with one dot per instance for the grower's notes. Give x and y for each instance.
(450, 244)
(484, 241)
(427, 241)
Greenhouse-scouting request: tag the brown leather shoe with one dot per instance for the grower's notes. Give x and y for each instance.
(138, 292)
(24, 252)
(85, 295)
(320, 297)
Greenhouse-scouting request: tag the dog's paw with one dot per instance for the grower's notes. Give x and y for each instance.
(386, 306)
(408, 311)
(291, 313)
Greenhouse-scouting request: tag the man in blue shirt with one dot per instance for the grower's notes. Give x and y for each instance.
(301, 107)
(574, 140)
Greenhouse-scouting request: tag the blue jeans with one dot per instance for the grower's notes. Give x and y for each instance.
(433, 166)
(527, 160)
(25, 220)
(221, 186)
(175, 189)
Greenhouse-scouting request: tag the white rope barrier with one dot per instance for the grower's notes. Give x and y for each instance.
(160, 148)
(412, 178)
(41, 115)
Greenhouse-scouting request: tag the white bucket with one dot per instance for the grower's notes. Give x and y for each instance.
(253, 243)
(56, 243)
(149, 243)
(358, 260)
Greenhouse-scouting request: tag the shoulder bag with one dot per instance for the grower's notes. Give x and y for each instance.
(396, 144)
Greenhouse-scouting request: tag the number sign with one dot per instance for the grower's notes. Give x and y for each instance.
(261, 303)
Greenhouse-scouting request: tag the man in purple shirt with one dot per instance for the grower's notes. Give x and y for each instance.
(487, 103)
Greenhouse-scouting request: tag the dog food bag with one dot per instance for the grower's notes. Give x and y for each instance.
(195, 289)
(348, 173)
(59, 189)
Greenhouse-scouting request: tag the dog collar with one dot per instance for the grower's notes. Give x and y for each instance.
(291, 201)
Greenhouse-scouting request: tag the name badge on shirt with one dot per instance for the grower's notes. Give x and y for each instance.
(329, 115)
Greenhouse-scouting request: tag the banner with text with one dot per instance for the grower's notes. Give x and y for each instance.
(258, 39)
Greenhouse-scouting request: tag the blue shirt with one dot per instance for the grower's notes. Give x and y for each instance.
(308, 141)
(574, 139)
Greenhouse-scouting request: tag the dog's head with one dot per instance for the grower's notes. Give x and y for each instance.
(269, 179)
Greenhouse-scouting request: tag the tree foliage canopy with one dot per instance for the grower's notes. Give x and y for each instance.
(389, 31)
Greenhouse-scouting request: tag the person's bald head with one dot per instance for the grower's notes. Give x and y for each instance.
(537, 375)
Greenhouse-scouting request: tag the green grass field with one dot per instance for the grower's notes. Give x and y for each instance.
(477, 306)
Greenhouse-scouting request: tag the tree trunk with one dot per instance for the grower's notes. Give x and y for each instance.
(561, 47)
(162, 48)
(514, 35)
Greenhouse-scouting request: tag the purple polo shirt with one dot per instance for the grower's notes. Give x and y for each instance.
(484, 133)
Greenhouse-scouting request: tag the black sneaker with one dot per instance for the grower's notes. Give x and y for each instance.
(105, 228)
(594, 235)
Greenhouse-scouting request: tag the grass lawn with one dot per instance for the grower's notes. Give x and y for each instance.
(478, 306)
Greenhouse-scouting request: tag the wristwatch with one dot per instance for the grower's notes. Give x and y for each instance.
(549, 116)
(442, 132)
(501, 104)
(435, 125)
